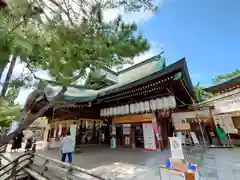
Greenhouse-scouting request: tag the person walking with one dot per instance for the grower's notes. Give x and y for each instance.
(17, 142)
(29, 143)
(222, 135)
(67, 147)
(210, 134)
(102, 138)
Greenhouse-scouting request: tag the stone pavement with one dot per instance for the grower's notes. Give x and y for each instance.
(217, 164)
(137, 164)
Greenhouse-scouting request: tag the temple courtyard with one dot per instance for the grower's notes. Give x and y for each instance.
(137, 164)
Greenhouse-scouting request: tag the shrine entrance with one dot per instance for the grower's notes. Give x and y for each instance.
(165, 125)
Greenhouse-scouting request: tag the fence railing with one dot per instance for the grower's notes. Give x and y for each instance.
(52, 168)
(11, 170)
(42, 168)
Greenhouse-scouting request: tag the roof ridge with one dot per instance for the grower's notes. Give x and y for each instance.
(153, 58)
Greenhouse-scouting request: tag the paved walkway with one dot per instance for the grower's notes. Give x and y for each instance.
(217, 164)
(137, 164)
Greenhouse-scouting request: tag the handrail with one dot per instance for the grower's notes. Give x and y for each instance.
(3, 148)
(15, 166)
(68, 167)
(42, 171)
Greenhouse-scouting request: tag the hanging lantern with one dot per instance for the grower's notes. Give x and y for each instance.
(153, 105)
(137, 108)
(172, 102)
(146, 106)
(111, 111)
(115, 111)
(118, 110)
(165, 103)
(132, 108)
(104, 112)
(127, 109)
(159, 102)
(141, 107)
(122, 110)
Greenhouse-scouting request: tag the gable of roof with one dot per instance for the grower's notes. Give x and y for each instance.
(130, 74)
(179, 65)
(154, 58)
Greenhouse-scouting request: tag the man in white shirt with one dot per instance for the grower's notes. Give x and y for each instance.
(67, 147)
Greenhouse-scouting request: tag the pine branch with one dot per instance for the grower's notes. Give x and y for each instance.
(55, 82)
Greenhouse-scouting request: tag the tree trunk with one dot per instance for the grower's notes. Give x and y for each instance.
(24, 123)
(3, 64)
(8, 76)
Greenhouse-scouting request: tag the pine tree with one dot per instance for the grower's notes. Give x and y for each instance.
(226, 76)
(66, 38)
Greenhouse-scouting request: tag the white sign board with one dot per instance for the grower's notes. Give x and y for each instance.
(148, 136)
(114, 129)
(126, 130)
(194, 138)
(176, 148)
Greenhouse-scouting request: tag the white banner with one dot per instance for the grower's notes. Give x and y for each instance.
(148, 136)
(194, 138)
(73, 130)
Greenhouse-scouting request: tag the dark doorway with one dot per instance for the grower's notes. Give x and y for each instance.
(139, 141)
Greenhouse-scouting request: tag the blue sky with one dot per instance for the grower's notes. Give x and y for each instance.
(206, 32)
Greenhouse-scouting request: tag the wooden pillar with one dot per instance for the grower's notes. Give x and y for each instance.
(60, 130)
(94, 132)
(54, 132)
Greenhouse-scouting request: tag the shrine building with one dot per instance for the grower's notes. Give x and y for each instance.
(132, 106)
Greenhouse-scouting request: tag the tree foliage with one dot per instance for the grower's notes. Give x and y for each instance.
(226, 76)
(67, 37)
(201, 95)
(9, 111)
